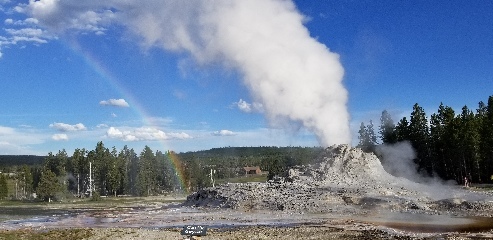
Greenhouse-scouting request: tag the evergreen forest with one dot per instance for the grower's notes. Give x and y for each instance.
(109, 172)
(448, 144)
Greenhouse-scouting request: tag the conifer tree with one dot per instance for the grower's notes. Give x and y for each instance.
(146, 172)
(442, 141)
(4, 190)
(486, 135)
(419, 137)
(402, 131)
(387, 128)
(367, 137)
(48, 185)
(27, 180)
(469, 145)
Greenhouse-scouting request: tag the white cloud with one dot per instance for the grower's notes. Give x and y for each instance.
(60, 137)
(251, 137)
(290, 73)
(18, 141)
(27, 21)
(75, 15)
(20, 8)
(36, 40)
(144, 134)
(31, 32)
(63, 127)
(27, 34)
(115, 102)
(223, 133)
(7, 148)
(180, 135)
(159, 121)
(102, 125)
(6, 131)
(33, 21)
(244, 106)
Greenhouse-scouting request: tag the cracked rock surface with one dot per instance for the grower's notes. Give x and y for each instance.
(344, 180)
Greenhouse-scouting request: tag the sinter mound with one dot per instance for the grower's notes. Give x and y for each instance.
(340, 179)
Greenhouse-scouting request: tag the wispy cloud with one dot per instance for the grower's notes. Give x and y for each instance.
(224, 133)
(27, 21)
(22, 32)
(144, 134)
(18, 141)
(102, 125)
(115, 102)
(244, 106)
(159, 121)
(63, 127)
(60, 137)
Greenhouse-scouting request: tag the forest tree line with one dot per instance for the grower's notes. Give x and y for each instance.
(451, 145)
(125, 172)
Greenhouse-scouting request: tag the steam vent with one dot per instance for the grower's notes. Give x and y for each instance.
(344, 180)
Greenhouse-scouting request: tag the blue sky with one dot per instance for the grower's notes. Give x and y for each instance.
(75, 73)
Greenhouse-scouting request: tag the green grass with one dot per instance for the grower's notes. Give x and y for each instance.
(244, 179)
(105, 202)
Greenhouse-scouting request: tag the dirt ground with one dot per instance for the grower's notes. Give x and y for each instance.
(241, 233)
(156, 220)
(346, 194)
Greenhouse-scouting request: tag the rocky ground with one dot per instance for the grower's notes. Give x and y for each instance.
(343, 194)
(345, 181)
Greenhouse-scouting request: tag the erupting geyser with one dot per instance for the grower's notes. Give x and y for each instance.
(295, 77)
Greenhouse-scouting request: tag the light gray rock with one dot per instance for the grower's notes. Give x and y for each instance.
(341, 177)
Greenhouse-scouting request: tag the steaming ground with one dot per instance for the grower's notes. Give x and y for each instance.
(345, 180)
(343, 194)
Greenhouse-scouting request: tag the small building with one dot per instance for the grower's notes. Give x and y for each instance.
(252, 170)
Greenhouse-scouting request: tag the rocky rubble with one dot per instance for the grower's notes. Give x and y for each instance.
(339, 180)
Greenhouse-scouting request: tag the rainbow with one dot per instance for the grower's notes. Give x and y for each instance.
(179, 170)
(94, 63)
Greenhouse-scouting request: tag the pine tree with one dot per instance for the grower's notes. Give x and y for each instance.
(146, 172)
(419, 136)
(387, 128)
(275, 166)
(80, 170)
(48, 185)
(367, 137)
(443, 141)
(486, 135)
(100, 157)
(131, 162)
(469, 145)
(372, 137)
(113, 174)
(402, 131)
(57, 163)
(27, 180)
(4, 190)
(363, 137)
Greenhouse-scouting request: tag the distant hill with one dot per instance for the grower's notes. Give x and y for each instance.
(17, 160)
(251, 151)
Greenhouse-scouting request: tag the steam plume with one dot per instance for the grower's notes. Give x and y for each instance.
(292, 75)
